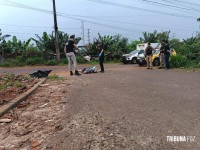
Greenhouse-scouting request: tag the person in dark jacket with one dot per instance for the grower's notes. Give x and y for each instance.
(101, 56)
(148, 55)
(162, 60)
(167, 54)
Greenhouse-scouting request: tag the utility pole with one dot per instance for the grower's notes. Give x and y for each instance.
(56, 32)
(173, 35)
(83, 33)
(88, 36)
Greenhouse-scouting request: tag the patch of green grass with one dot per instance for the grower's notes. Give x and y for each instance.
(17, 84)
(12, 81)
(3, 86)
(10, 84)
(56, 77)
(27, 77)
(93, 63)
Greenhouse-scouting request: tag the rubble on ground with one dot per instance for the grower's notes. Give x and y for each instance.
(12, 86)
(34, 120)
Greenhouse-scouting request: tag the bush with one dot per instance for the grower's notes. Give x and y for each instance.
(179, 61)
(12, 63)
(193, 64)
(31, 52)
(80, 60)
(51, 62)
(35, 61)
(63, 61)
(21, 59)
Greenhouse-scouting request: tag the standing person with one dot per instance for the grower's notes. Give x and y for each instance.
(101, 56)
(69, 52)
(162, 49)
(148, 54)
(167, 54)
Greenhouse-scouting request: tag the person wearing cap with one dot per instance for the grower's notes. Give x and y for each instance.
(101, 56)
(69, 52)
(167, 54)
(148, 54)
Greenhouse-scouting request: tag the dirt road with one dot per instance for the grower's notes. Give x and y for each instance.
(131, 108)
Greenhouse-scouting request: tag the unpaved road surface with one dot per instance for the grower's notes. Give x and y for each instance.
(130, 108)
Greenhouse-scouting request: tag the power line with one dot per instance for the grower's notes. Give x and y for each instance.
(66, 16)
(102, 2)
(24, 26)
(127, 22)
(100, 24)
(26, 33)
(171, 6)
(182, 2)
(136, 8)
(63, 15)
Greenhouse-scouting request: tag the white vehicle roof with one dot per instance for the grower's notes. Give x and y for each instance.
(144, 45)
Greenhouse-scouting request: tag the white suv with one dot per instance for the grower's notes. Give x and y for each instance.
(131, 57)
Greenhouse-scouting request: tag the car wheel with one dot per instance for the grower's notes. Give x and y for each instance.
(156, 62)
(134, 60)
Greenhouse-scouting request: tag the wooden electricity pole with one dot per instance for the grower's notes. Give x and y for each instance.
(56, 32)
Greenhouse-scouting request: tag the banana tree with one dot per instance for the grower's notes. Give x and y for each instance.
(43, 43)
(46, 43)
(119, 44)
(16, 46)
(149, 37)
(3, 45)
(162, 36)
(105, 41)
(3, 37)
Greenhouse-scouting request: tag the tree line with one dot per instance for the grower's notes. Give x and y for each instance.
(42, 48)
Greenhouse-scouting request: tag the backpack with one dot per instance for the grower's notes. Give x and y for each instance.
(149, 50)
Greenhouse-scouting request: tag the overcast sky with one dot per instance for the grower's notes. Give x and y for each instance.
(108, 17)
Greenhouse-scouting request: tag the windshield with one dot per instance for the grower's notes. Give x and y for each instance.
(134, 52)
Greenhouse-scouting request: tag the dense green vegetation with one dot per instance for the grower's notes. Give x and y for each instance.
(41, 50)
(188, 52)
